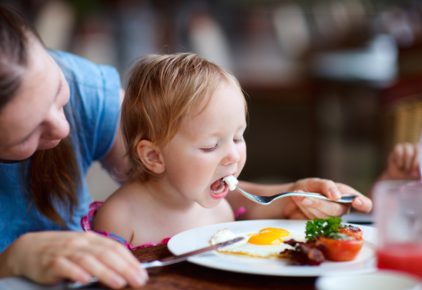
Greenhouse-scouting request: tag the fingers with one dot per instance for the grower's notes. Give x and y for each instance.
(409, 151)
(415, 171)
(361, 202)
(404, 156)
(100, 270)
(397, 155)
(64, 268)
(127, 269)
(320, 208)
(323, 186)
(113, 264)
(48, 257)
(298, 215)
(114, 247)
(310, 208)
(293, 209)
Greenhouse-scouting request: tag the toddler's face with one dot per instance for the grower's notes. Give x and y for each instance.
(208, 146)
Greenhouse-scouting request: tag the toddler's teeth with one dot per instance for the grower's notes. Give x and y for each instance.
(231, 181)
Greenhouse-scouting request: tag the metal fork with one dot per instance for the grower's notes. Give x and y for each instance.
(266, 200)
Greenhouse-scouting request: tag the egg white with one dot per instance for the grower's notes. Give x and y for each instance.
(243, 248)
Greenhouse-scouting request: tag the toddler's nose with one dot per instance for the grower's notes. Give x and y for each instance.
(232, 156)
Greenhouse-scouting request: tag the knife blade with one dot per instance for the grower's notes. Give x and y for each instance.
(166, 261)
(180, 258)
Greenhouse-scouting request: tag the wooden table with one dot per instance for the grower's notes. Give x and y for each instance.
(190, 276)
(183, 276)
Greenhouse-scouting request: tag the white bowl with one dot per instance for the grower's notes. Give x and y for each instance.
(380, 280)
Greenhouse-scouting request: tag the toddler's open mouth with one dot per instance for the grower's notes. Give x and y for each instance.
(218, 186)
(228, 182)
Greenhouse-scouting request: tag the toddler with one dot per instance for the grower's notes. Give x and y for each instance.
(183, 120)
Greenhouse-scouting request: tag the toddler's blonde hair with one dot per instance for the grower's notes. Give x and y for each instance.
(161, 91)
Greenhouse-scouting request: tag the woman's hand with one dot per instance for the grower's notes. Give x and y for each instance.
(49, 257)
(298, 207)
(310, 208)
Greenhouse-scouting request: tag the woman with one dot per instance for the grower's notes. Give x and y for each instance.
(42, 165)
(58, 114)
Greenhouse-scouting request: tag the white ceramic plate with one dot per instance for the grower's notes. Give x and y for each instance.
(385, 280)
(199, 237)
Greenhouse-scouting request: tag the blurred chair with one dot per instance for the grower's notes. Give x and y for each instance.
(402, 111)
(375, 63)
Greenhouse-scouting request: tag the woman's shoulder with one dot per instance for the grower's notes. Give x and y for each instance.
(94, 104)
(86, 72)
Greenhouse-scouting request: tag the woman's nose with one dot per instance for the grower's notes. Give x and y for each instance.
(57, 125)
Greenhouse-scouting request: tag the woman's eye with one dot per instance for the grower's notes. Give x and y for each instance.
(209, 148)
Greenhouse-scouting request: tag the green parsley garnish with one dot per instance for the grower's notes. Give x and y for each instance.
(322, 227)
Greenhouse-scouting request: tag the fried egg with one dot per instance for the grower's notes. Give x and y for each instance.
(266, 243)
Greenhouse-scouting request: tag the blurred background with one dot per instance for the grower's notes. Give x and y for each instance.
(331, 85)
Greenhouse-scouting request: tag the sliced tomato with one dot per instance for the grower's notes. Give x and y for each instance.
(351, 231)
(340, 250)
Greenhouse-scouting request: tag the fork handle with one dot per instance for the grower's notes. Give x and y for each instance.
(343, 199)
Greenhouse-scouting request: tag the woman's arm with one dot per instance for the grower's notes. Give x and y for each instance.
(115, 161)
(298, 207)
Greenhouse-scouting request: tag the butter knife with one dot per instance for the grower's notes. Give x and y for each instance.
(164, 262)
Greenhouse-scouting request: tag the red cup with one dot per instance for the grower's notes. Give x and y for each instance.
(398, 218)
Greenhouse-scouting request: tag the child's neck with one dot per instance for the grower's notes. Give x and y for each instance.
(164, 196)
(164, 213)
(164, 200)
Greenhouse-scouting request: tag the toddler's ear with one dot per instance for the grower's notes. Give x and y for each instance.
(150, 156)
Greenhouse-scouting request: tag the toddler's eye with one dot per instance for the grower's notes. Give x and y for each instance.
(238, 140)
(209, 148)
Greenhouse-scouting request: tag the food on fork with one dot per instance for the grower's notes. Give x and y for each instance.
(231, 182)
(334, 241)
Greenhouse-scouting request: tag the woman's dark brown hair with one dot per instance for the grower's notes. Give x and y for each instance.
(54, 175)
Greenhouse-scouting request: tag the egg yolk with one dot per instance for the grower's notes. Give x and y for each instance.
(269, 236)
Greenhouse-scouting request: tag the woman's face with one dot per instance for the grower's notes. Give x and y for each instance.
(34, 118)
